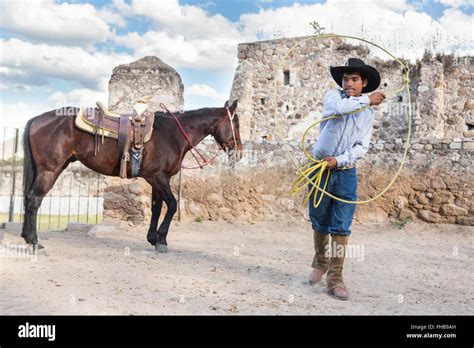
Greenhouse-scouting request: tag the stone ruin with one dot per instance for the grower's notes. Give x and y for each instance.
(148, 76)
(275, 107)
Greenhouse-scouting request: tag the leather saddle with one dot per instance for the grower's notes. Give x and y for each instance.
(132, 130)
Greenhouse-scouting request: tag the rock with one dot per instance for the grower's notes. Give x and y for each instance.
(438, 183)
(14, 226)
(468, 105)
(98, 229)
(268, 198)
(422, 199)
(113, 197)
(469, 119)
(195, 209)
(378, 146)
(406, 214)
(441, 197)
(429, 216)
(135, 188)
(401, 202)
(455, 146)
(465, 220)
(144, 200)
(418, 186)
(215, 198)
(78, 227)
(468, 145)
(468, 134)
(452, 209)
(372, 214)
(420, 159)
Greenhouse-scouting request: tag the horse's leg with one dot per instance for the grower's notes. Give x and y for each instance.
(161, 184)
(43, 182)
(156, 204)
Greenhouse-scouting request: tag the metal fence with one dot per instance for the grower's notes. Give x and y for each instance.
(77, 195)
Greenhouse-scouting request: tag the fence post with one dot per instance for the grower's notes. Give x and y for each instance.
(180, 193)
(11, 209)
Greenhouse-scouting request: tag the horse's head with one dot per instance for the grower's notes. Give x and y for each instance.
(227, 133)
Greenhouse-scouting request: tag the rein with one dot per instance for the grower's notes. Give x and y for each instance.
(221, 147)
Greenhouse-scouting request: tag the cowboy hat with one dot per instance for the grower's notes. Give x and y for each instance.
(356, 64)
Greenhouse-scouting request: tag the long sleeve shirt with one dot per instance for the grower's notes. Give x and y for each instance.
(346, 138)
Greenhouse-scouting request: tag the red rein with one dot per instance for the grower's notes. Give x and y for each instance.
(206, 162)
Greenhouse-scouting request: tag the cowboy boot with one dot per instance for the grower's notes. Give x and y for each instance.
(335, 283)
(321, 259)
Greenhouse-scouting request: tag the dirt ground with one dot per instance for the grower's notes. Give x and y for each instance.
(235, 268)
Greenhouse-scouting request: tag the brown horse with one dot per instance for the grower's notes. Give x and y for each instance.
(51, 142)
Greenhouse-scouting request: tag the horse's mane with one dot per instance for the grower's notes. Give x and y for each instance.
(161, 117)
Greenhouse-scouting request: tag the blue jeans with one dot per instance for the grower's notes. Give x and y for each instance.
(333, 216)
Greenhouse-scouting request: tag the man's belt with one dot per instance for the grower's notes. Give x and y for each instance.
(350, 166)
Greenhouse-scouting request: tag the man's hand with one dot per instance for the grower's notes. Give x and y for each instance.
(376, 98)
(332, 162)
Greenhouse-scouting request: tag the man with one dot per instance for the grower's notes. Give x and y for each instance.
(342, 141)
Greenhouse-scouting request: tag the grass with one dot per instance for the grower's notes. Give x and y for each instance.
(55, 222)
(401, 223)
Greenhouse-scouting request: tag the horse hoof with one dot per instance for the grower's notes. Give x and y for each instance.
(161, 248)
(36, 247)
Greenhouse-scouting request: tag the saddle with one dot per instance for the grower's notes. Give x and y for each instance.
(132, 130)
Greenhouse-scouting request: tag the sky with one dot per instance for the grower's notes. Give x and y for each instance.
(60, 53)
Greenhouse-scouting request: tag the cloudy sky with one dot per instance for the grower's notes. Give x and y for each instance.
(57, 53)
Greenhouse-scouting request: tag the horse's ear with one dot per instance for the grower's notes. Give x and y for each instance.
(226, 104)
(234, 105)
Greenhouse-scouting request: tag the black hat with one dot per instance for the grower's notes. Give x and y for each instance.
(356, 64)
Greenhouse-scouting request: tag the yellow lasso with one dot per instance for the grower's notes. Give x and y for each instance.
(313, 172)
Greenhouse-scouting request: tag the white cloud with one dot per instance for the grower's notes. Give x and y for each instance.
(456, 3)
(81, 97)
(34, 63)
(200, 95)
(184, 35)
(458, 37)
(122, 7)
(202, 90)
(47, 21)
(18, 113)
(395, 25)
(111, 17)
(207, 53)
(190, 21)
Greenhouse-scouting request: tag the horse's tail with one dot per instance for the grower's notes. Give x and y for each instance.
(29, 165)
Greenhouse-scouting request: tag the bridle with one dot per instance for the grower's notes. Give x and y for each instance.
(193, 150)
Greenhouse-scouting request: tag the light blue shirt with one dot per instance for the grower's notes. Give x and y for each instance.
(346, 138)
